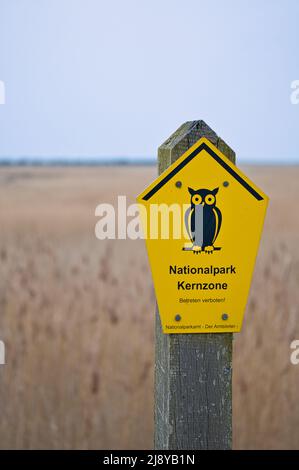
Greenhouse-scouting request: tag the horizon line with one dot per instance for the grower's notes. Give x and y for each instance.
(114, 161)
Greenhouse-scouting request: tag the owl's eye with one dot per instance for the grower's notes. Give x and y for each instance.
(210, 199)
(196, 199)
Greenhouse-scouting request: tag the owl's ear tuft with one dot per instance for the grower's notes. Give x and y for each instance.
(191, 191)
(215, 191)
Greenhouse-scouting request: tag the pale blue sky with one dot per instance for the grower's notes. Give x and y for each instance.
(93, 77)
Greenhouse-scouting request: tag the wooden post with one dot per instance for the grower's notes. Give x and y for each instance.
(193, 372)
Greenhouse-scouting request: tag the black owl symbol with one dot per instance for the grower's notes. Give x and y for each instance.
(203, 220)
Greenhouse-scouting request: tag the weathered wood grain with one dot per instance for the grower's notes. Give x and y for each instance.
(193, 372)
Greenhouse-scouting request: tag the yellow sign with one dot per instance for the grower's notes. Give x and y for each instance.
(202, 220)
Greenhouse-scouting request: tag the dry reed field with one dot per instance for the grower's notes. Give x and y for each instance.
(76, 315)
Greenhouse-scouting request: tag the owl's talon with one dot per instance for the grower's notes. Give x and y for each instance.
(209, 249)
(196, 249)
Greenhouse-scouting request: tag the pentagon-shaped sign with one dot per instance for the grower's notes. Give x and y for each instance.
(202, 220)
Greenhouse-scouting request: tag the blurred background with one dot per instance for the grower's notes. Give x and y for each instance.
(88, 91)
